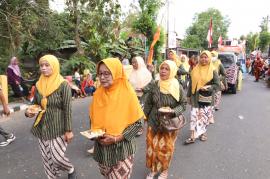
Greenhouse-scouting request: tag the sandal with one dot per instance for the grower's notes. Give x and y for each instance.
(163, 175)
(189, 141)
(203, 137)
(151, 175)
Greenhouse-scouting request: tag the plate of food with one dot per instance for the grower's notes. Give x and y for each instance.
(165, 110)
(92, 134)
(34, 108)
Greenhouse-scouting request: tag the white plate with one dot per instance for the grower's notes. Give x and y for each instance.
(90, 134)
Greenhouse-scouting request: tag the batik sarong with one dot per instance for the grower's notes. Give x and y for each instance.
(121, 170)
(199, 120)
(160, 148)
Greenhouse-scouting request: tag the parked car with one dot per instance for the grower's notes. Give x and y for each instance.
(229, 61)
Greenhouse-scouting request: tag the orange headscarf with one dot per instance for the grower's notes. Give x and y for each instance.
(200, 75)
(115, 108)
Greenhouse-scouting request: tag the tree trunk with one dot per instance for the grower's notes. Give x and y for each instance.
(77, 18)
(77, 34)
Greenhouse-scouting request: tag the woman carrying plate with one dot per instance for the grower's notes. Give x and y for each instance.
(167, 95)
(115, 109)
(203, 84)
(52, 126)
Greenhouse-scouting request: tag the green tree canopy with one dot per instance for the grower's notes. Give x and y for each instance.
(264, 34)
(27, 29)
(146, 24)
(252, 42)
(196, 34)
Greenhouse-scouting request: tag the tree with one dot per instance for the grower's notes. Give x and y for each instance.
(96, 23)
(196, 34)
(252, 42)
(264, 34)
(146, 23)
(27, 29)
(264, 40)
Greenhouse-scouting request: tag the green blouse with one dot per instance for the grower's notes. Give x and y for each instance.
(110, 155)
(155, 99)
(57, 118)
(214, 83)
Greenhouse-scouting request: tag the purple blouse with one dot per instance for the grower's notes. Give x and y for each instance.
(12, 77)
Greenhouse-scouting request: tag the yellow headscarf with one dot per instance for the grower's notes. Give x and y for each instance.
(171, 85)
(86, 72)
(47, 85)
(216, 62)
(117, 107)
(176, 58)
(201, 75)
(185, 63)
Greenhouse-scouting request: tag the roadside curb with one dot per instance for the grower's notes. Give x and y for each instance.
(13, 108)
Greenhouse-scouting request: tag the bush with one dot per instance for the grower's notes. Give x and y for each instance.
(77, 61)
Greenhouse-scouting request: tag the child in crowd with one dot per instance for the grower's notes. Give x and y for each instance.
(77, 77)
(87, 86)
(75, 90)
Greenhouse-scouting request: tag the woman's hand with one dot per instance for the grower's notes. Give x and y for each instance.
(29, 114)
(68, 137)
(6, 110)
(109, 139)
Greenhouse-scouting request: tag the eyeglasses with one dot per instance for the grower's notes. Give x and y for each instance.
(105, 74)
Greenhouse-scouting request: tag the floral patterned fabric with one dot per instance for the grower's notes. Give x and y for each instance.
(199, 120)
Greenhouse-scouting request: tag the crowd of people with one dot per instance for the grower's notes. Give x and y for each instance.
(258, 67)
(124, 99)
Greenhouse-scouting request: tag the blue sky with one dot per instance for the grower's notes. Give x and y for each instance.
(245, 15)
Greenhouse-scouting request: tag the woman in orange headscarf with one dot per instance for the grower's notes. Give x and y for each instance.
(166, 92)
(52, 126)
(116, 111)
(204, 81)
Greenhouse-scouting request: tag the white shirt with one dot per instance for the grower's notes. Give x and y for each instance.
(77, 76)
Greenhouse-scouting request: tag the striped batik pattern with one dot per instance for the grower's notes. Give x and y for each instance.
(110, 155)
(122, 170)
(53, 157)
(57, 118)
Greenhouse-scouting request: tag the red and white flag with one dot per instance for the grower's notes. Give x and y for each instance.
(220, 40)
(209, 35)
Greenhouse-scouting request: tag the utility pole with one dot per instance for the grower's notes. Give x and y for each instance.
(168, 23)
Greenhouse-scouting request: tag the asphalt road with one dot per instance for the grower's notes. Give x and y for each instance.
(238, 145)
